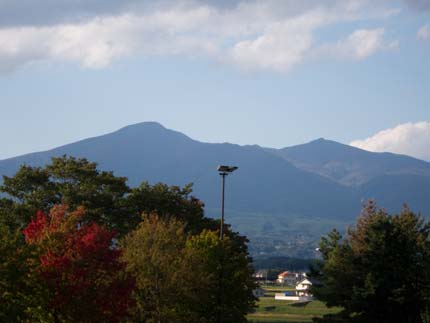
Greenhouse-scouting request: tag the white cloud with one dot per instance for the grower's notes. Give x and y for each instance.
(423, 33)
(96, 43)
(269, 34)
(359, 45)
(411, 139)
(280, 47)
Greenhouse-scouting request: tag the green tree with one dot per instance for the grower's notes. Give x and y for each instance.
(19, 288)
(187, 278)
(107, 199)
(380, 271)
(170, 201)
(71, 181)
(154, 256)
(226, 275)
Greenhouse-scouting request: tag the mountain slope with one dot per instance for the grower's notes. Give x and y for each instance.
(348, 165)
(392, 191)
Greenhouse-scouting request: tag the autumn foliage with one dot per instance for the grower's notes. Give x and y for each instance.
(66, 264)
(81, 267)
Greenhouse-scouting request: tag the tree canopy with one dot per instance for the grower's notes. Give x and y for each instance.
(189, 278)
(79, 269)
(71, 181)
(228, 274)
(107, 198)
(380, 272)
(78, 245)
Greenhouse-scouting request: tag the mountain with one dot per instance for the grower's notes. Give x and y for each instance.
(348, 165)
(283, 199)
(393, 190)
(148, 151)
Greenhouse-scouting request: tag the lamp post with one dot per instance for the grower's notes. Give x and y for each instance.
(224, 171)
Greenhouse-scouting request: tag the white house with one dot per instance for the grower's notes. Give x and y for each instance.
(301, 294)
(303, 287)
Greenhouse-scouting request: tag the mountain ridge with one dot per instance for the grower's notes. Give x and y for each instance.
(319, 178)
(348, 165)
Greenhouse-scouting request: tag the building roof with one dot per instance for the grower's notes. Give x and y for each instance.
(308, 281)
(304, 281)
(284, 274)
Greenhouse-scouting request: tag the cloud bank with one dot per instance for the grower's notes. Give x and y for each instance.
(256, 34)
(411, 139)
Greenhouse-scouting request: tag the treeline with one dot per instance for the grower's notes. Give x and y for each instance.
(283, 263)
(78, 245)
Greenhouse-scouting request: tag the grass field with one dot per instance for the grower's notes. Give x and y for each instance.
(271, 310)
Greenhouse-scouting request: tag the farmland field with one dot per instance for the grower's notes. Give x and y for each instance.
(271, 310)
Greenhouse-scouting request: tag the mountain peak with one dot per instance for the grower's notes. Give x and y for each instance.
(319, 140)
(143, 125)
(322, 141)
(349, 165)
(320, 145)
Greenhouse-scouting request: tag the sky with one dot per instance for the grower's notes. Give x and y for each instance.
(269, 72)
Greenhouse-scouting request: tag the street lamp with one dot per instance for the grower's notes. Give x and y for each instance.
(224, 171)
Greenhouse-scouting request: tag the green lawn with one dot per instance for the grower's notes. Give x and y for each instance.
(271, 310)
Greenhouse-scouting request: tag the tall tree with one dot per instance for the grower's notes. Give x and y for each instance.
(227, 283)
(107, 199)
(80, 267)
(165, 279)
(380, 271)
(187, 278)
(68, 180)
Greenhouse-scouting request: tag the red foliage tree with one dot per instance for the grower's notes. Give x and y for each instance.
(80, 266)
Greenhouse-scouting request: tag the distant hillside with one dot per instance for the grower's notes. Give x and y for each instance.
(277, 196)
(348, 165)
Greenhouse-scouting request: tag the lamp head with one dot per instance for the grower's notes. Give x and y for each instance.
(226, 169)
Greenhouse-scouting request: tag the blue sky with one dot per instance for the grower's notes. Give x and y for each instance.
(274, 73)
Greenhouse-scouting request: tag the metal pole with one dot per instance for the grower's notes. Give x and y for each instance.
(221, 236)
(221, 231)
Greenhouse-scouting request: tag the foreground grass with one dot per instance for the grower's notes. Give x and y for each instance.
(271, 310)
